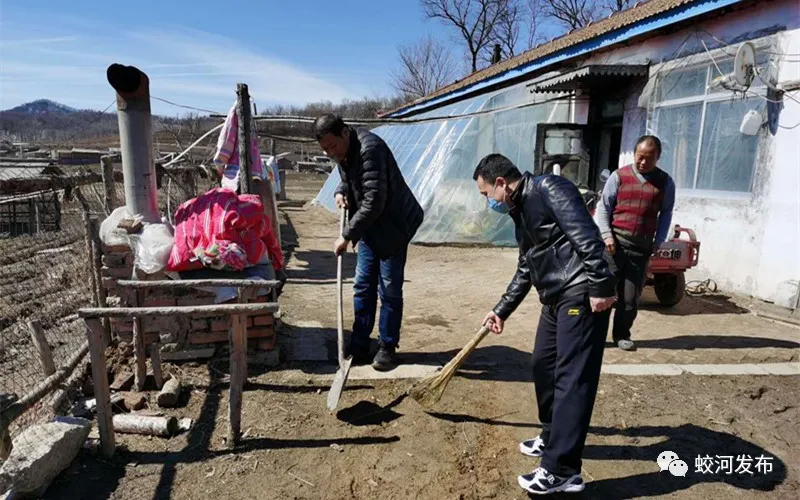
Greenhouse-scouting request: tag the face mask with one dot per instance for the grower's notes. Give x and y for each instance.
(500, 207)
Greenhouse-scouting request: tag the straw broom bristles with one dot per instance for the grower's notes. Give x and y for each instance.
(429, 390)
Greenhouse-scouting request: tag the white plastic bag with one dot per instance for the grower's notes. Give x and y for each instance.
(152, 247)
(110, 234)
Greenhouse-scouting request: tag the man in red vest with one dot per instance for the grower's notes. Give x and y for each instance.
(634, 219)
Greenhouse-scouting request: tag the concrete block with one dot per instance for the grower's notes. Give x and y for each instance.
(723, 369)
(122, 381)
(643, 369)
(40, 453)
(265, 358)
(188, 354)
(781, 368)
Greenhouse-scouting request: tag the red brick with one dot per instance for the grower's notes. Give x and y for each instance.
(220, 325)
(159, 302)
(250, 322)
(199, 324)
(194, 301)
(122, 325)
(263, 320)
(118, 259)
(207, 338)
(116, 272)
(263, 332)
(159, 325)
(116, 249)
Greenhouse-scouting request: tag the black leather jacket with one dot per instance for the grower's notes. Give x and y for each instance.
(383, 210)
(560, 248)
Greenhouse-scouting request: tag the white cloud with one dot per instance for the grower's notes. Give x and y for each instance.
(185, 65)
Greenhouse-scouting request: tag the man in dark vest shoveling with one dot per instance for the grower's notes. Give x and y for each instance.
(634, 219)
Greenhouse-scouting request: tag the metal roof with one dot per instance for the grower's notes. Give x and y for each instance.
(640, 20)
(588, 76)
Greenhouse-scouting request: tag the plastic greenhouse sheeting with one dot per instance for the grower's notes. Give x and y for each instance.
(438, 158)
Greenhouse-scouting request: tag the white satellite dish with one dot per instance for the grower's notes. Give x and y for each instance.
(744, 64)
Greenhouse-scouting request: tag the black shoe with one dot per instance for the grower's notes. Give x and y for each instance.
(360, 355)
(386, 359)
(541, 482)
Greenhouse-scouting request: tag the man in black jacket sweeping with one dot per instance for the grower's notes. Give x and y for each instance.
(561, 253)
(384, 216)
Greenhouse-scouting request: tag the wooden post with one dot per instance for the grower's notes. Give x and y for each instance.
(243, 112)
(155, 361)
(97, 264)
(107, 162)
(43, 348)
(102, 393)
(238, 369)
(139, 353)
(272, 209)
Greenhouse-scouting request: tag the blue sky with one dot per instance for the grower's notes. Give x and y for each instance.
(290, 52)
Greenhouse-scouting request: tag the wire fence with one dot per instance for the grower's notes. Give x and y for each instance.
(46, 272)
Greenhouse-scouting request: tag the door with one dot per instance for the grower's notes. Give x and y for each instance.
(563, 149)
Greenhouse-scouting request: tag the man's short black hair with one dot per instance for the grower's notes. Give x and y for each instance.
(655, 141)
(328, 123)
(496, 165)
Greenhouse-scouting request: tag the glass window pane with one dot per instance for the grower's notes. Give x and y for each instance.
(682, 82)
(727, 157)
(678, 127)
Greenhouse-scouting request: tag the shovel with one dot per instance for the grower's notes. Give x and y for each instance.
(344, 363)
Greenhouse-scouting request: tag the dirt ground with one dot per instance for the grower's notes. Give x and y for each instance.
(383, 445)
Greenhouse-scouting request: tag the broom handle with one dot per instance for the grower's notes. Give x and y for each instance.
(339, 301)
(467, 350)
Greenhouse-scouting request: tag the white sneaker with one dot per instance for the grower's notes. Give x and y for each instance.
(541, 482)
(532, 447)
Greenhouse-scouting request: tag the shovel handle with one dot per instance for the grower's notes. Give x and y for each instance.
(339, 300)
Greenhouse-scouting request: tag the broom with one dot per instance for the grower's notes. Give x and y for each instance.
(428, 391)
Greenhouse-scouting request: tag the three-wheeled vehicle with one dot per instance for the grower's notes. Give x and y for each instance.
(566, 149)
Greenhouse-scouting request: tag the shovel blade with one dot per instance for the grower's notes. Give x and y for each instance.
(338, 384)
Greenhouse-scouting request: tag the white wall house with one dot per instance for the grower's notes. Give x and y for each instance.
(651, 69)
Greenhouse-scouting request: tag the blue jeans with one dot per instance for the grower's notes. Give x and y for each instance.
(384, 277)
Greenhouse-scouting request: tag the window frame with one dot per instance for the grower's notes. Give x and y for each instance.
(710, 61)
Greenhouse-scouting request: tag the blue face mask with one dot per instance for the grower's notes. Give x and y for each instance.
(500, 207)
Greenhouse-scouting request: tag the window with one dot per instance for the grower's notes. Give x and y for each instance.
(698, 124)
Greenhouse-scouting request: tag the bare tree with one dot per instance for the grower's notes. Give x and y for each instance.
(572, 14)
(533, 13)
(474, 20)
(425, 66)
(617, 5)
(507, 28)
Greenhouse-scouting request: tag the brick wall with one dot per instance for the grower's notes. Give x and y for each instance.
(176, 333)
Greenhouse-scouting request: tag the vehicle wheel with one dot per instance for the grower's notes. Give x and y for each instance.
(669, 288)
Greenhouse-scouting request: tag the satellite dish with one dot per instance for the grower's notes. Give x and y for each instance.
(744, 64)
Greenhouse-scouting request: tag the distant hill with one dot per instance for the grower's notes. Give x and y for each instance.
(41, 107)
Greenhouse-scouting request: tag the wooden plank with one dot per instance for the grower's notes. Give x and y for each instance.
(206, 283)
(42, 347)
(139, 353)
(108, 183)
(243, 113)
(238, 371)
(97, 264)
(196, 338)
(155, 362)
(207, 310)
(102, 392)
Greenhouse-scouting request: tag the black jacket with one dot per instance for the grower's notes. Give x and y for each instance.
(560, 248)
(383, 210)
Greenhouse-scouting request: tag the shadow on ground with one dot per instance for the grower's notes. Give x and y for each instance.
(693, 305)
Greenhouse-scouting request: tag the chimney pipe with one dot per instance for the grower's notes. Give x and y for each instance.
(497, 55)
(136, 140)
